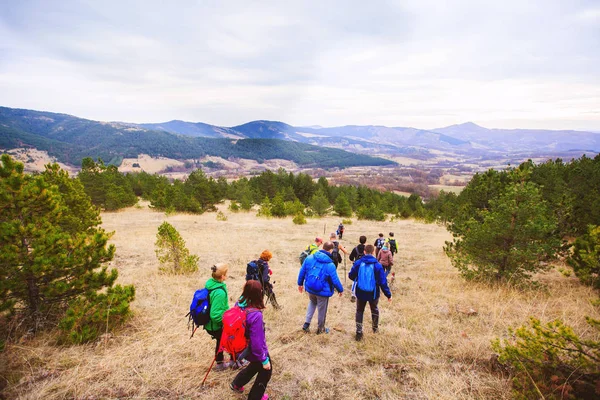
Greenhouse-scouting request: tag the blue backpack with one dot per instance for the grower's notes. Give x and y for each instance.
(314, 281)
(200, 308)
(366, 277)
(253, 271)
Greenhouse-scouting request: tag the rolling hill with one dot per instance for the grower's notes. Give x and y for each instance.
(70, 139)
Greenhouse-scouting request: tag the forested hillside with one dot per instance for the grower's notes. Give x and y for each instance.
(71, 139)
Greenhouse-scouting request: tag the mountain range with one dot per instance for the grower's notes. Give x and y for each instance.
(70, 138)
(467, 138)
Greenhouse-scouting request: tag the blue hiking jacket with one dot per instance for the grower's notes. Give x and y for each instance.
(380, 279)
(328, 272)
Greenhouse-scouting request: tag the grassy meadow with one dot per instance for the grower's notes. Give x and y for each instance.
(434, 339)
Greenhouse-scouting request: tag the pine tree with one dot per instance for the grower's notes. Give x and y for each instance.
(508, 240)
(585, 259)
(342, 206)
(172, 253)
(48, 257)
(319, 203)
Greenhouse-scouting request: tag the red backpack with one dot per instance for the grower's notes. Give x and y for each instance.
(233, 339)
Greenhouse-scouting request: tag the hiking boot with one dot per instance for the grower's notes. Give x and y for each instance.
(375, 330)
(222, 366)
(359, 336)
(236, 388)
(240, 364)
(324, 330)
(305, 327)
(353, 299)
(265, 397)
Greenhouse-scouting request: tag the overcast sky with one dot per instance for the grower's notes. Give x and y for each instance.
(421, 63)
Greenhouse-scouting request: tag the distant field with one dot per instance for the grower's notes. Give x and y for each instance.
(447, 188)
(434, 339)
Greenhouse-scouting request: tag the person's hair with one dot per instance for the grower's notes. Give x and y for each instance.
(219, 271)
(362, 239)
(369, 249)
(266, 255)
(392, 234)
(381, 235)
(327, 246)
(332, 235)
(253, 294)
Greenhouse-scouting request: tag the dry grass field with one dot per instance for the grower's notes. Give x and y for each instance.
(434, 339)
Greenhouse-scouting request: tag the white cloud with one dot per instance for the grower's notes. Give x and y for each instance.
(422, 63)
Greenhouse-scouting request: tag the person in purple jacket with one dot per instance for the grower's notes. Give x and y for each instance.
(258, 353)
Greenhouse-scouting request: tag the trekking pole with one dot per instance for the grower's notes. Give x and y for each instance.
(209, 368)
(345, 274)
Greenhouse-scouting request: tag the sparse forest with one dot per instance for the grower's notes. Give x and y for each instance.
(509, 230)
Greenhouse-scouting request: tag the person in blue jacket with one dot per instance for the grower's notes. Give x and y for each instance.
(319, 278)
(369, 276)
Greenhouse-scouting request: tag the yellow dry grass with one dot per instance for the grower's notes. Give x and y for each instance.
(428, 346)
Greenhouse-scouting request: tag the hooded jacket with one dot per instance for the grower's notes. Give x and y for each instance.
(328, 272)
(219, 303)
(385, 257)
(255, 329)
(380, 279)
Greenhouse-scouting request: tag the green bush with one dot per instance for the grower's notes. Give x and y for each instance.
(265, 208)
(221, 216)
(89, 316)
(347, 221)
(234, 207)
(550, 361)
(299, 219)
(585, 259)
(171, 252)
(371, 212)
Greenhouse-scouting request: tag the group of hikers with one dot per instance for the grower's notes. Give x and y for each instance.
(318, 277)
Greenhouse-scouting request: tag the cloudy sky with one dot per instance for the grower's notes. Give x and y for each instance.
(421, 63)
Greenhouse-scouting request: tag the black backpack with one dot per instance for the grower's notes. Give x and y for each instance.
(379, 243)
(393, 247)
(335, 253)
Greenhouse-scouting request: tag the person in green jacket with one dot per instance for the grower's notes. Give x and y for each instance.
(219, 303)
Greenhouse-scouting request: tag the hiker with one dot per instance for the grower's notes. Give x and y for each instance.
(379, 242)
(219, 303)
(314, 247)
(262, 271)
(340, 230)
(310, 250)
(257, 352)
(259, 270)
(319, 277)
(355, 255)
(337, 248)
(386, 259)
(359, 250)
(369, 277)
(391, 242)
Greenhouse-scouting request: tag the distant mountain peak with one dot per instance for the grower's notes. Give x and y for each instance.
(470, 125)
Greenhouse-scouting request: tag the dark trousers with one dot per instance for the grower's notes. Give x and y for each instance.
(360, 310)
(263, 377)
(217, 336)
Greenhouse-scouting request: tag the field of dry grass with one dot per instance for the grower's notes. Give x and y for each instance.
(434, 339)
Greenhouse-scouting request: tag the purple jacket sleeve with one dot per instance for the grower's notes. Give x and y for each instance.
(256, 334)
